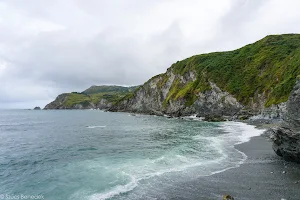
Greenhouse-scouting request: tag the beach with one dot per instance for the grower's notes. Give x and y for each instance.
(263, 176)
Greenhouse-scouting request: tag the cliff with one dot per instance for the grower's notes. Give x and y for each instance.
(255, 79)
(102, 97)
(287, 136)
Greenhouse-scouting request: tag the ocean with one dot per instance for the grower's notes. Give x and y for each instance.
(91, 154)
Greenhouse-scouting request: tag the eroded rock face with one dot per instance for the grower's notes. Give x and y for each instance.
(287, 137)
(212, 105)
(149, 99)
(216, 103)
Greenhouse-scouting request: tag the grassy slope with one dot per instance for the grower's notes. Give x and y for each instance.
(95, 93)
(108, 89)
(268, 66)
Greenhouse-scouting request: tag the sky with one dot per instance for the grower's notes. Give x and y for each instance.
(48, 47)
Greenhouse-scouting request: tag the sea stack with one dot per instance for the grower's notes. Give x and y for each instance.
(287, 136)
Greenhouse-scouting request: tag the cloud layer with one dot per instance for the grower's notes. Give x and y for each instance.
(49, 47)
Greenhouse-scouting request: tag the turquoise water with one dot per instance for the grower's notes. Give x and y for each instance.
(94, 155)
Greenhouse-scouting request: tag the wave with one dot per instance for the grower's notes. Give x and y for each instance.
(193, 117)
(239, 133)
(243, 131)
(116, 191)
(121, 189)
(95, 126)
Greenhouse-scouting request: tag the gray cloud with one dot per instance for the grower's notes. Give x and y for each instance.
(50, 47)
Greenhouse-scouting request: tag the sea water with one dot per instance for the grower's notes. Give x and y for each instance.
(91, 155)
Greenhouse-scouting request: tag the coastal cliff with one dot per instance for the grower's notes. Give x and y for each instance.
(287, 136)
(253, 80)
(95, 97)
(157, 96)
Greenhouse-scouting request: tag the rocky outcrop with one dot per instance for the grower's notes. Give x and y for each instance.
(103, 104)
(287, 137)
(37, 108)
(60, 103)
(274, 111)
(57, 103)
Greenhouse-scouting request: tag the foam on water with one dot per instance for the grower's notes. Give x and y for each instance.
(193, 117)
(116, 191)
(133, 183)
(243, 131)
(95, 126)
(235, 133)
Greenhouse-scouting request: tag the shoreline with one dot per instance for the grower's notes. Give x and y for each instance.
(267, 175)
(262, 176)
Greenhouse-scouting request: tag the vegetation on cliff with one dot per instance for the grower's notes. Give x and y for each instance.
(90, 97)
(269, 67)
(104, 89)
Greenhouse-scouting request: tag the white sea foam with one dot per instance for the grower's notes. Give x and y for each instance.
(193, 117)
(121, 189)
(239, 133)
(236, 133)
(95, 126)
(244, 132)
(116, 190)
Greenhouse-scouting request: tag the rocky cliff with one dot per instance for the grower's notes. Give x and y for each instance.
(154, 98)
(253, 80)
(287, 136)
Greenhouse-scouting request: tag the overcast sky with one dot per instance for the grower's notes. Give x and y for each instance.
(48, 47)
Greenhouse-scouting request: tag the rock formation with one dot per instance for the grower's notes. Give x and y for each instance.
(287, 136)
(212, 103)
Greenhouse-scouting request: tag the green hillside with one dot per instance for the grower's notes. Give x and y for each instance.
(92, 95)
(269, 66)
(108, 89)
